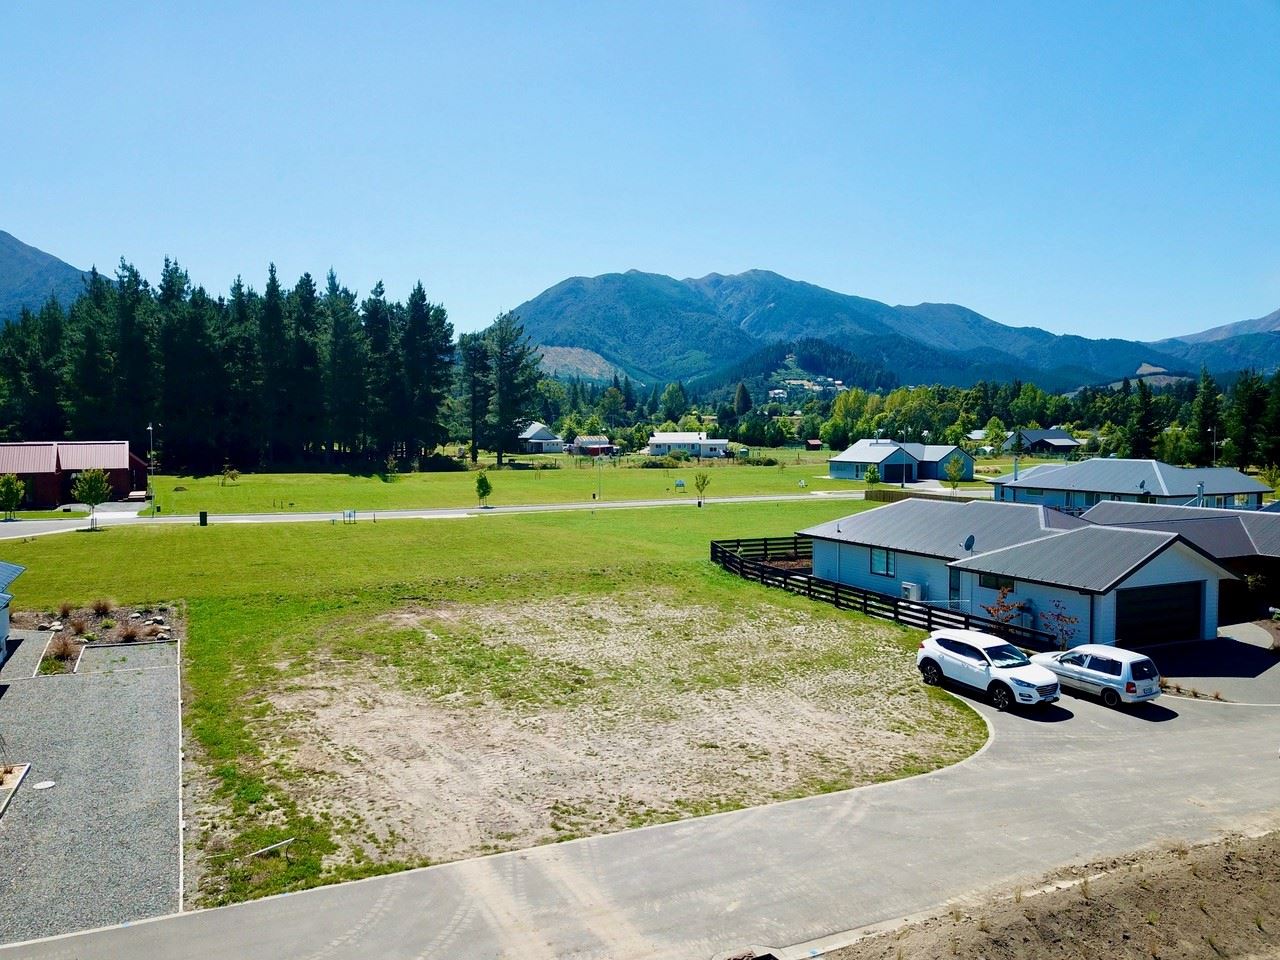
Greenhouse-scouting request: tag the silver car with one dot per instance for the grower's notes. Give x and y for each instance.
(1116, 675)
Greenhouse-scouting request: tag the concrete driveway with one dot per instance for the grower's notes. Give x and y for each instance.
(1076, 781)
(1239, 665)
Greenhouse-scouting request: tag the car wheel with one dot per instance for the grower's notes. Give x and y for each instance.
(931, 673)
(1001, 697)
(1110, 698)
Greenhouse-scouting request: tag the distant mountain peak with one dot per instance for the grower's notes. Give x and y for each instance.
(29, 276)
(659, 328)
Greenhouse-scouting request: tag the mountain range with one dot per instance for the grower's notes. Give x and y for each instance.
(658, 328)
(29, 276)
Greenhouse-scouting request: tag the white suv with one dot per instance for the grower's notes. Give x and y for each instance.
(987, 663)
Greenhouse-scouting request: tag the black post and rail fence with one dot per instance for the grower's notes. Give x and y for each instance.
(786, 563)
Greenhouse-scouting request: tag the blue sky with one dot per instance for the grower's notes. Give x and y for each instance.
(1112, 170)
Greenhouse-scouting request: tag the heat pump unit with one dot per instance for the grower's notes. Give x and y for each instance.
(912, 591)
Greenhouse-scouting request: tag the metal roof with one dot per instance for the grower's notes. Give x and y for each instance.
(535, 431)
(937, 528)
(682, 437)
(94, 455)
(9, 572)
(1222, 533)
(1054, 435)
(1135, 477)
(869, 451)
(1088, 558)
(593, 440)
(879, 450)
(28, 457)
(1272, 507)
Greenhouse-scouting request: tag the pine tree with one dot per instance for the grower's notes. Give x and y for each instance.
(741, 400)
(476, 376)
(1142, 424)
(304, 401)
(1246, 418)
(428, 362)
(137, 368)
(513, 364)
(239, 409)
(1206, 421)
(273, 349)
(345, 374)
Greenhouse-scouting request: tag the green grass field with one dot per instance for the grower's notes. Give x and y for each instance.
(573, 481)
(50, 515)
(269, 492)
(267, 603)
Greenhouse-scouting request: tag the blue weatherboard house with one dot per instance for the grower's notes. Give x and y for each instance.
(9, 572)
(1123, 585)
(1078, 486)
(898, 462)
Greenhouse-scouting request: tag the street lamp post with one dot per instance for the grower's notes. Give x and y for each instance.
(151, 466)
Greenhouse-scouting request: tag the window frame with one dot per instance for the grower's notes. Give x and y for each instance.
(890, 562)
(996, 582)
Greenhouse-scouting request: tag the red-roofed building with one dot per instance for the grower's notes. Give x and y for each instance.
(49, 468)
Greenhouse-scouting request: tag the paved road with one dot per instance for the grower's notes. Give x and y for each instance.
(21, 529)
(1074, 781)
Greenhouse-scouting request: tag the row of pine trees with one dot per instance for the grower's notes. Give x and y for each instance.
(285, 377)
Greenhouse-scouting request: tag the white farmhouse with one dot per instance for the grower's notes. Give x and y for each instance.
(694, 444)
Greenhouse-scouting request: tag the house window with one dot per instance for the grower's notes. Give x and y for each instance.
(1032, 492)
(884, 563)
(991, 581)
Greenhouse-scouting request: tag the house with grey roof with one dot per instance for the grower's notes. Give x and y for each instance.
(9, 572)
(1122, 585)
(1054, 441)
(898, 462)
(539, 438)
(1246, 542)
(1078, 486)
(665, 443)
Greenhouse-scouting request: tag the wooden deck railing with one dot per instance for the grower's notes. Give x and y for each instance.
(751, 560)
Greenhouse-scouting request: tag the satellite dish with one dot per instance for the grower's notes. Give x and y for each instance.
(1142, 484)
(968, 543)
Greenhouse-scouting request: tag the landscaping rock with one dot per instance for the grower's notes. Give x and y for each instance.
(135, 616)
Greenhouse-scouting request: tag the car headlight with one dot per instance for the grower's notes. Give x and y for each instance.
(1022, 683)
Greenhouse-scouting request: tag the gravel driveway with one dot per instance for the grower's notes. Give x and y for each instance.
(101, 846)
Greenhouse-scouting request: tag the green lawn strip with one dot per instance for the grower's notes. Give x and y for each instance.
(48, 515)
(265, 602)
(325, 492)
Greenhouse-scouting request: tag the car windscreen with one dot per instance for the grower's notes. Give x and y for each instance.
(1143, 670)
(1007, 655)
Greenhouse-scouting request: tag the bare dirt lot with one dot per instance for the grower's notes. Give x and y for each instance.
(446, 732)
(1217, 900)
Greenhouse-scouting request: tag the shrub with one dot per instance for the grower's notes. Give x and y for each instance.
(64, 610)
(108, 623)
(129, 633)
(102, 606)
(62, 648)
(759, 461)
(659, 463)
(78, 625)
(439, 463)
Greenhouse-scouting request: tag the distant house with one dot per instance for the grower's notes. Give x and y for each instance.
(1055, 441)
(813, 445)
(898, 462)
(539, 438)
(592, 446)
(9, 572)
(49, 468)
(1123, 585)
(694, 444)
(1078, 486)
